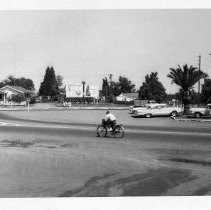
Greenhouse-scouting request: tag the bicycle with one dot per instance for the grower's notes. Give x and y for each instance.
(118, 132)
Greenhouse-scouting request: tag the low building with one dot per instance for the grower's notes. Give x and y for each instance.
(8, 92)
(127, 97)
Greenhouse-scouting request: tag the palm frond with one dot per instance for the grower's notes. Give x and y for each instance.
(185, 77)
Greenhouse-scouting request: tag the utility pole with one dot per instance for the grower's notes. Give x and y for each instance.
(208, 68)
(14, 63)
(83, 83)
(199, 64)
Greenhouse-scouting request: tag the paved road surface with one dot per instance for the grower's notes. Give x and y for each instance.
(67, 159)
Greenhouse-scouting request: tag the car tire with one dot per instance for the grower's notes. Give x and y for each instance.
(197, 115)
(174, 114)
(148, 115)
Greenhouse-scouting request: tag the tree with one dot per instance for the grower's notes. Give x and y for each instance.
(106, 91)
(186, 77)
(206, 91)
(10, 81)
(26, 83)
(115, 88)
(125, 85)
(152, 88)
(23, 82)
(60, 85)
(59, 81)
(49, 85)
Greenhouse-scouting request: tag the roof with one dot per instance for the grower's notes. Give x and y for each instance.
(19, 89)
(130, 95)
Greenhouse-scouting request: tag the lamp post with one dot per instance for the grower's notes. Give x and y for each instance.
(83, 83)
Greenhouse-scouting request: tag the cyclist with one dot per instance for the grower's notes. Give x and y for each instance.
(109, 120)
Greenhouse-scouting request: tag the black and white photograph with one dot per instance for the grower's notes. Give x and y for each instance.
(105, 103)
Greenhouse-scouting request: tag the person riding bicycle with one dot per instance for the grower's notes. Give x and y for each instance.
(109, 120)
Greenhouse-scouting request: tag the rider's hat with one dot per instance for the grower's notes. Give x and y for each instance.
(107, 112)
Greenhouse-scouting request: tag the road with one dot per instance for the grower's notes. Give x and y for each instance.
(43, 155)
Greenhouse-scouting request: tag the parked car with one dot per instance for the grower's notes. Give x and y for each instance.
(201, 111)
(133, 108)
(67, 104)
(151, 110)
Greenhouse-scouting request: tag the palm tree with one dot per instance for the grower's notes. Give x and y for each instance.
(186, 77)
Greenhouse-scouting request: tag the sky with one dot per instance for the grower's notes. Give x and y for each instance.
(91, 44)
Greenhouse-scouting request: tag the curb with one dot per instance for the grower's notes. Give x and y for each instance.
(195, 120)
(11, 109)
(65, 108)
(99, 108)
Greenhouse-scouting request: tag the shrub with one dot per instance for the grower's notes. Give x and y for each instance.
(18, 98)
(32, 100)
(130, 103)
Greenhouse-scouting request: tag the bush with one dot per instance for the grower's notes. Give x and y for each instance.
(110, 99)
(32, 100)
(130, 103)
(18, 98)
(45, 99)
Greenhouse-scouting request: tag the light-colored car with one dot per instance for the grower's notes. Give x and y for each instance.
(201, 111)
(67, 104)
(132, 109)
(151, 110)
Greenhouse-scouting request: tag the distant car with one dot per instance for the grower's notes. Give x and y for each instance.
(151, 110)
(67, 104)
(201, 111)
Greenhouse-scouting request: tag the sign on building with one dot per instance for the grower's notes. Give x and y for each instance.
(77, 91)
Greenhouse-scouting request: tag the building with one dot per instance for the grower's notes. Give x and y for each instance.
(127, 97)
(8, 92)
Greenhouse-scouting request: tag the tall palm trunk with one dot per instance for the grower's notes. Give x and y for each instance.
(186, 103)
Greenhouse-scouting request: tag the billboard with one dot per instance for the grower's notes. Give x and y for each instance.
(77, 91)
(74, 91)
(92, 91)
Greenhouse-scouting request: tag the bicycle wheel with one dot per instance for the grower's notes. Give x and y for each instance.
(101, 131)
(119, 132)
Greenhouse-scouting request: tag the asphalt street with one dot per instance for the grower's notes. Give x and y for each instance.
(54, 158)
